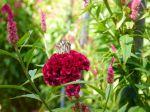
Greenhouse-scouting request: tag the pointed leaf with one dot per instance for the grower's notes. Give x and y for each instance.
(24, 39)
(15, 87)
(36, 77)
(97, 90)
(8, 53)
(123, 108)
(32, 73)
(136, 109)
(33, 96)
(126, 45)
(121, 21)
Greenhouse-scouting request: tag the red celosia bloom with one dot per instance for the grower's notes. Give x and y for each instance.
(12, 32)
(43, 21)
(85, 108)
(134, 6)
(64, 68)
(73, 90)
(6, 9)
(110, 74)
(80, 106)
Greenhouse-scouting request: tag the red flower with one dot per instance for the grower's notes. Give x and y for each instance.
(85, 108)
(73, 90)
(64, 68)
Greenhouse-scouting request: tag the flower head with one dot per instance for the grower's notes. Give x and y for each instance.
(134, 6)
(6, 9)
(11, 24)
(73, 90)
(12, 32)
(43, 21)
(110, 74)
(86, 2)
(64, 68)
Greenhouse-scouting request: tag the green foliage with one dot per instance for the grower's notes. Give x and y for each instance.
(108, 23)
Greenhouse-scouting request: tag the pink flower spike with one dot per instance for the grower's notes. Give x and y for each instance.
(112, 60)
(7, 9)
(113, 48)
(110, 74)
(86, 2)
(43, 21)
(18, 4)
(134, 6)
(12, 32)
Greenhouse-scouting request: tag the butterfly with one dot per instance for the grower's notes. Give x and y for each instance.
(63, 46)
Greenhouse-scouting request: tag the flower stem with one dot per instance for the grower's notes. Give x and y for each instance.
(109, 10)
(45, 45)
(29, 78)
(107, 98)
(107, 6)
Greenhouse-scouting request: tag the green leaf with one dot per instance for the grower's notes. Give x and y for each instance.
(142, 86)
(121, 21)
(5, 1)
(8, 53)
(36, 77)
(126, 45)
(136, 109)
(33, 96)
(123, 108)
(108, 90)
(129, 25)
(143, 70)
(28, 56)
(15, 87)
(66, 109)
(32, 73)
(24, 39)
(97, 90)
(76, 82)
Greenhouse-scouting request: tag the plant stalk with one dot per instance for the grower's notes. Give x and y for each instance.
(29, 78)
(107, 98)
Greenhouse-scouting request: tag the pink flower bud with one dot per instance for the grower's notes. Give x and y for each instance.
(11, 25)
(113, 48)
(134, 6)
(110, 74)
(12, 32)
(86, 2)
(6, 9)
(112, 60)
(43, 21)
